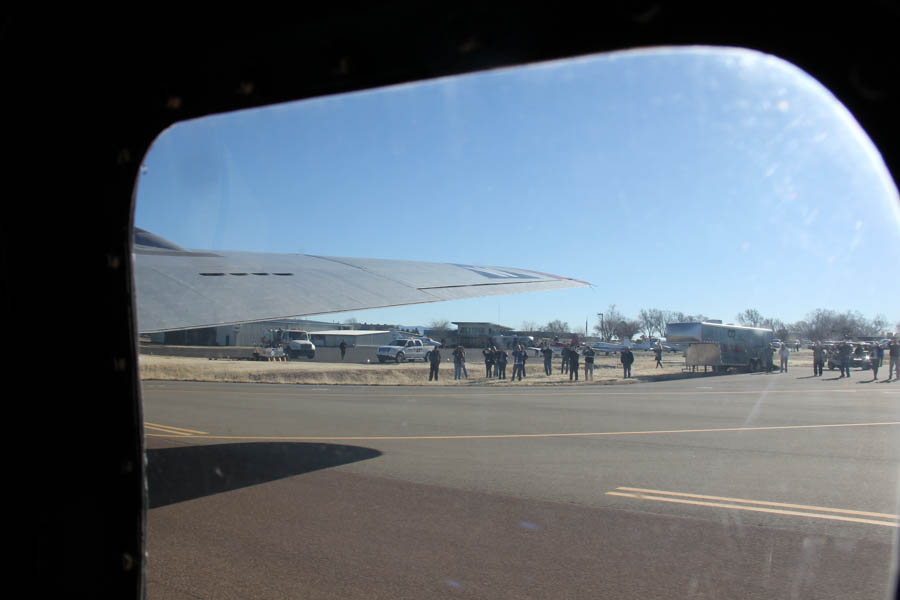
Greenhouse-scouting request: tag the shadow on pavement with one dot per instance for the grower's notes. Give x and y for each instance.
(189, 472)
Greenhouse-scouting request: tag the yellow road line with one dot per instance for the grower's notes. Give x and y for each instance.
(762, 502)
(756, 509)
(530, 435)
(172, 428)
(166, 431)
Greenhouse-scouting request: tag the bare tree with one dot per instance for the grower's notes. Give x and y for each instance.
(750, 317)
(605, 327)
(660, 319)
(439, 324)
(648, 321)
(680, 317)
(653, 320)
(556, 327)
(530, 326)
(823, 324)
(439, 328)
(879, 324)
(626, 328)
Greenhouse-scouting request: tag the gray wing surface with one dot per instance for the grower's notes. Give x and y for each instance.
(183, 289)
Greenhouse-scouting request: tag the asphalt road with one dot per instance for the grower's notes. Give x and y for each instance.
(740, 486)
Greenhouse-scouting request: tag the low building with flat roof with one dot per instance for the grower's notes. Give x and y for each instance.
(241, 334)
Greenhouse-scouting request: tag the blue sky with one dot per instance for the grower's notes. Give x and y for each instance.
(700, 180)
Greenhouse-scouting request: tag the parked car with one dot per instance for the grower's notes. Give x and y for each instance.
(861, 360)
(402, 350)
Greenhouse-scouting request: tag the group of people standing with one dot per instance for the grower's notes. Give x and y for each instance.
(571, 358)
(496, 359)
(876, 358)
(844, 352)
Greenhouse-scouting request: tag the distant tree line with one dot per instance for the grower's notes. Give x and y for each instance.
(819, 324)
(650, 322)
(354, 324)
(822, 324)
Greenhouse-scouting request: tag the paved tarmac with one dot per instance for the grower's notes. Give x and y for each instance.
(739, 486)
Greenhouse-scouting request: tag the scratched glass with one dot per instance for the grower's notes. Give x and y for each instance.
(699, 183)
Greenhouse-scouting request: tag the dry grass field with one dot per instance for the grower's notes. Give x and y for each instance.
(607, 370)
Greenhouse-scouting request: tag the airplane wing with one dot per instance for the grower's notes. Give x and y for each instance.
(183, 289)
(607, 347)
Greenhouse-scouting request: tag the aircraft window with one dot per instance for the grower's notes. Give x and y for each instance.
(685, 184)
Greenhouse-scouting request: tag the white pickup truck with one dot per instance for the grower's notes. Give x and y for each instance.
(401, 350)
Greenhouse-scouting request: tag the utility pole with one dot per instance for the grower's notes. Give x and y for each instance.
(603, 337)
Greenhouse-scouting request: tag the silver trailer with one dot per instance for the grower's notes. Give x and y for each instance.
(723, 346)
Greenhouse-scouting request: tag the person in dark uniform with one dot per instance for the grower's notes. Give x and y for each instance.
(488, 353)
(548, 359)
(435, 360)
(627, 357)
(500, 361)
(658, 351)
(818, 359)
(524, 360)
(519, 356)
(565, 360)
(343, 347)
(459, 362)
(588, 363)
(894, 358)
(875, 359)
(573, 363)
(843, 351)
